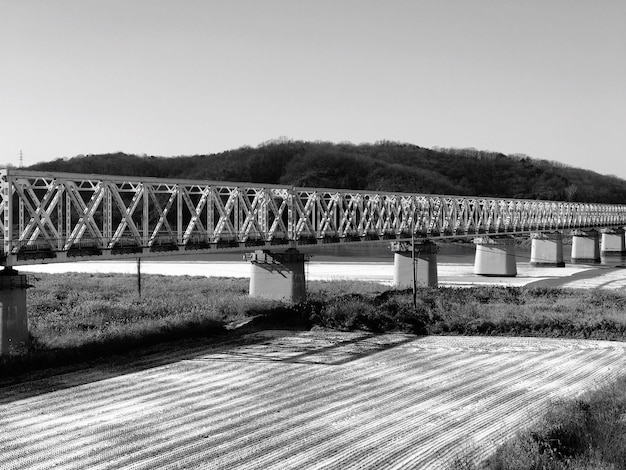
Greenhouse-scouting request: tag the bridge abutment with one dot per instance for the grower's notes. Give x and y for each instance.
(424, 270)
(547, 250)
(277, 275)
(613, 242)
(13, 318)
(585, 246)
(495, 257)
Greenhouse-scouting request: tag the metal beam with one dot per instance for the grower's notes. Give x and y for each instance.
(46, 217)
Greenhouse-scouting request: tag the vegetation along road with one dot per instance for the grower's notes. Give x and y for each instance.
(297, 399)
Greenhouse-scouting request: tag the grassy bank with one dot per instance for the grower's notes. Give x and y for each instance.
(485, 310)
(78, 317)
(82, 316)
(586, 433)
(582, 434)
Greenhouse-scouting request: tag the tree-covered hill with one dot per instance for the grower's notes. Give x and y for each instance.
(384, 166)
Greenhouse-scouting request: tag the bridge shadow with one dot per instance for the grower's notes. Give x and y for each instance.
(329, 348)
(248, 344)
(581, 276)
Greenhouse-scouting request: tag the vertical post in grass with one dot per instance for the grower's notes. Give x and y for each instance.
(13, 319)
(413, 264)
(139, 277)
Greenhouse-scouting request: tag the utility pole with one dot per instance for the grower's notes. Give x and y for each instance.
(414, 269)
(139, 277)
(413, 263)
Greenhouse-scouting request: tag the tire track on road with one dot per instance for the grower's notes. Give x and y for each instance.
(300, 400)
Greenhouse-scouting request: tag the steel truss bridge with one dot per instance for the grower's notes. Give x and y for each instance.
(56, 217)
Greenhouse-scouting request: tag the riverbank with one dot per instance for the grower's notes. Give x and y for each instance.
(76, 316)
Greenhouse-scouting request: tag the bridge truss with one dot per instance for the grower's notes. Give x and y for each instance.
(55, 217)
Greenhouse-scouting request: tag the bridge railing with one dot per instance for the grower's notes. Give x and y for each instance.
(61, 216)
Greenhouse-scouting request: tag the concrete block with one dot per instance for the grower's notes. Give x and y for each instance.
(425, 265)
(585, 246)
(277, 276)
(495, 257)
(13, 315)
(547, 250)
(612, 242)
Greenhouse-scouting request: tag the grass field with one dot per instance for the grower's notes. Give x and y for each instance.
(81, 316)
(78, 317)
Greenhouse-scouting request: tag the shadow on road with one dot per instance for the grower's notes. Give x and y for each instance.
(327, 348)
(250, 343)
(587, 274)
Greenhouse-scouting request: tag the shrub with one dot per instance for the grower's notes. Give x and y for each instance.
(588, 432)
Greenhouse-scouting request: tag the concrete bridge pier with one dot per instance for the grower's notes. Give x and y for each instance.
(13, 319)
(277, 276)
(424, 269)
(613, 242)
(585, 246)
(547, 249)
(495, 257)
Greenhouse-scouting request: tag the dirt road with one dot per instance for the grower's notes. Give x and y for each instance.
(297, 400)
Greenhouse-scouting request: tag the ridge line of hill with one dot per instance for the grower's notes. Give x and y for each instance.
(382, 166)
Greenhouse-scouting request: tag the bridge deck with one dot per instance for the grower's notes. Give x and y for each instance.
(56, 217)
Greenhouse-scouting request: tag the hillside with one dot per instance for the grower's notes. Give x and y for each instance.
(384, 166)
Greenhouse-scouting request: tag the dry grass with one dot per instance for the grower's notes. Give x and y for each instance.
(100, 312)
(77, 317)
(582, 434)
(511, 311)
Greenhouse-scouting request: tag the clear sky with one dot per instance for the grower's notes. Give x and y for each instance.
(546, 78)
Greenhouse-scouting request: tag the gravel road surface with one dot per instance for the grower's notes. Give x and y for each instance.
(297, 400)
